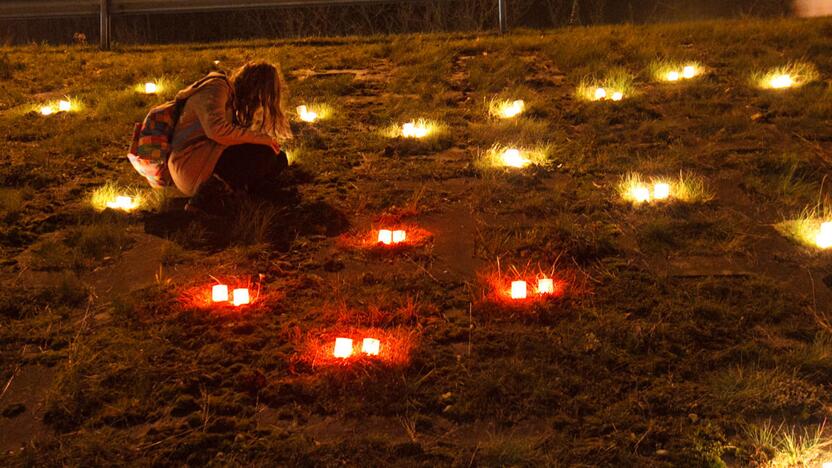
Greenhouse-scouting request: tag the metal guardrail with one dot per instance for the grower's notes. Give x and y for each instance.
(106, 9)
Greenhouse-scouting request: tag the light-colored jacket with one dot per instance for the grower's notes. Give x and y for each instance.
(205, 128)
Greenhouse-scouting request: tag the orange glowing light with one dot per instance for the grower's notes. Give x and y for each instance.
(370, 346)
(240, 296)
(545, 286)
(518, 289)
(343, 348)
(385, 236)
(399, 236)
(64, 106)
(219, 293)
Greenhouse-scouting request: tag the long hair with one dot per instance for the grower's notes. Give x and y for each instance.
(258, 87)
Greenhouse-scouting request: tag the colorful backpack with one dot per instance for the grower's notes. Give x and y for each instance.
(151, 144)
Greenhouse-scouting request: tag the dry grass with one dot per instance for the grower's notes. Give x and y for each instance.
(686, 188)
(107, 196)
(791, 75)
(805, 227)
(515, 157)
(616, 81)
(792, 446)
(429, 129)
(675, 71)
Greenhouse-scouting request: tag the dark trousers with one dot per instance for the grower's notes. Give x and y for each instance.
(251, 168)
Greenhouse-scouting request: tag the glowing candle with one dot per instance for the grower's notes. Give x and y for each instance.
(661, 191)
(385, 236)
(673, 76)
(216, 62)
(827, 464)
(370, 346)
(399, 236)
(306, 115)
(640, 193)
(600, 93)
(689, 71)
(545, 286)
(512, 158)
(781, 81)
(64, 106)
(343, 348)
(47, 110)
(411, 130)
(617, 96)
(219, 293)
(824, 236)
(150, 88)
(121, 203)
(514, 109)
(518, 289)
(240, 296)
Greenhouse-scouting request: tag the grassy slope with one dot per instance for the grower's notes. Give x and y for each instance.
(648, 361)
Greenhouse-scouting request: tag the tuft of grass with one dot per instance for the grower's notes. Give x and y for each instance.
(103, 197)
(798, 73)
(509, 156)
(506, 108)
(431, 129)
(805, 227)
(165, 86)
(295, 154)
(617, 80)
(662, 70)
(791, 446)
(686, 188)
(322, 110)
(11, 200)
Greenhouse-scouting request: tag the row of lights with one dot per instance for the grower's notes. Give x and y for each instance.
(63, 106)
(388, 237)
(519, 289)
(239, 296)
(344, 347)
(641, 193)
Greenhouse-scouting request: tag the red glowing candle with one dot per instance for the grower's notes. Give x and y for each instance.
(385, 236)
(370, 346)
(219, 293)
(545, 286)
(240, 296)
(343, 348)
(518, 289)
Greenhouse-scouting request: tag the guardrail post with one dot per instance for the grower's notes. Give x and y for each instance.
(502, 18)
(105, 24)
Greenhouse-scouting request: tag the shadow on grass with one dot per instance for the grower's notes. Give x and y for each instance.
(276, 220)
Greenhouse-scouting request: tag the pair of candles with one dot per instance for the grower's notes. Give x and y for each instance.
(343, 347)
(219, 293)
(544, 286)
(387, 237)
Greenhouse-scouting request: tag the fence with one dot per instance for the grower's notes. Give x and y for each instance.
(107, 9)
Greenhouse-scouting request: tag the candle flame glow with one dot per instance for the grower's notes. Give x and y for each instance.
(122, 203)
(600, 94)
(47, 110)
(343, 348)
(661, 191)
(385, 236)
(640, 194)
(689, 71)
(219, 293)
(370, 346)
(513, 158)
(513, 109)
(824, 236)
(399, 236)
(150, 88)
(672, 76)
(518, 289)
(64, 106)
(414, 130)
(306, 115)
(545, 286)
(240, 296)
(781, 81)
(617, 96)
